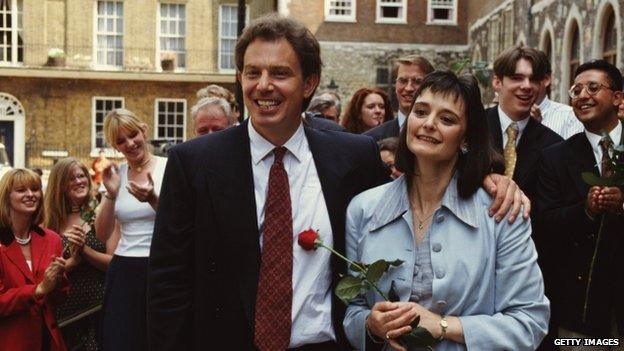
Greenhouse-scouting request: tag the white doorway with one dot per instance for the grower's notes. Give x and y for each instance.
(13, 128)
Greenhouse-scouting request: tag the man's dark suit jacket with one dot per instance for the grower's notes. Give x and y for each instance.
(205, 253)
(385, 130)
(571, 238)
(318, 122)
(534, 139)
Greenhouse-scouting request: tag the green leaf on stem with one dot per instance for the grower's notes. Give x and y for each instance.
(354, 267)
(395, 263)
(594, 180)
(376, 270)
(348, 288)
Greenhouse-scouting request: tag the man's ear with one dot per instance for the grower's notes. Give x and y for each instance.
(309, 85)
(547, 80)
(238, 76)
(496, 83)
(618, 96)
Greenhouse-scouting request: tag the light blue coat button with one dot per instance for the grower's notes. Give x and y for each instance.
(439, 218)
(439, 273)
(437, 247)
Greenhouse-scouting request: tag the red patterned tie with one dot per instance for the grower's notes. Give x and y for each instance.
(274, 296)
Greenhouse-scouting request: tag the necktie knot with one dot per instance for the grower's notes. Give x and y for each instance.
(605, 143)
(279, 153)
(512, 131)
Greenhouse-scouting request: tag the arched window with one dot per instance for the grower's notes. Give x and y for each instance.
(609, 51)
(575, 51)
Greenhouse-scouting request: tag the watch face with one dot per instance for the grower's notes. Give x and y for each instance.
(444, 323)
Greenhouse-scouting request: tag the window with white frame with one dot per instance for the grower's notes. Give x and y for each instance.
(391, 11)
(101, 107)
(442, 12)
(340, 10)
(11, 32)
(170, 120)
(109, 33)
(172, 36)
(228, 28)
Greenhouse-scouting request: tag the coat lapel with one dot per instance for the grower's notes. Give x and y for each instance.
(38, 248)
(528, 151)
(15, 255)
(495, 129)
(231, 187)
(582, 160)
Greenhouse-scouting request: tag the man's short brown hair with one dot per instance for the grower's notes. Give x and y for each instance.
(409, 60)
(505, 64)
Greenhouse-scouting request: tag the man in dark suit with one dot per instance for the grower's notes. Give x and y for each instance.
(518, 72)
(218, 247)
(409, 72)
(225, 270)
(583, 224)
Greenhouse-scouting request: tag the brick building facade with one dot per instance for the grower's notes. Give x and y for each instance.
(64, 63)
(360, 39)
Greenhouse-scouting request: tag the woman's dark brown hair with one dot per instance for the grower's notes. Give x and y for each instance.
(473, 166)
(352, 120)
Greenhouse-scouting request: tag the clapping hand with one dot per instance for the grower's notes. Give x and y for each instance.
(76, 236)
(143, 192)
(52, 276)
(111, 179)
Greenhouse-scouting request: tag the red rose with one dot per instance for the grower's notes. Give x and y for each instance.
(308, 239)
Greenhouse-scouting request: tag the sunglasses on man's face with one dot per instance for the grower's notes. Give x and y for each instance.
(592, 89)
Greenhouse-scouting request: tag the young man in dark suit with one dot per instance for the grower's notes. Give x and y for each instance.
(225, 270)
(409, 72)
(518, 73)
(583, 224)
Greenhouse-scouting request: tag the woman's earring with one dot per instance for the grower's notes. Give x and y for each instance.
(464, 148)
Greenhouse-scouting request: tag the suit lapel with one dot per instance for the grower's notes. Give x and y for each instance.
(39, 248)
(495, 129)
(581, 159)
(231, 187)
(15, 255)
(528, 151)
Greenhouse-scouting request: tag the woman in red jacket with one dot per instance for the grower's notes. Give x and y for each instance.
(32, 270)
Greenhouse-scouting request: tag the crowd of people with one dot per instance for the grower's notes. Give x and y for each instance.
(503, 242)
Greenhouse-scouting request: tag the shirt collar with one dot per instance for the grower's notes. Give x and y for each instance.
(401, 118)
(615, 134)
(505, 121)
(543, 106)
(261, 148)
(395, 202)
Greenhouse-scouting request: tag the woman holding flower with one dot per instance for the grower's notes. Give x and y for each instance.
(473, 282)
(32, 271)
(129, 203)
(70, 211)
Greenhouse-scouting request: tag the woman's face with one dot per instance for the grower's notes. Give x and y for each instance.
(373, 110)
(25, 199)
(132, 144)
(77, 185)
(436, 127)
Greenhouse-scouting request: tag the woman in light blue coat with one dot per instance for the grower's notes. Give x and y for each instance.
(473, 281)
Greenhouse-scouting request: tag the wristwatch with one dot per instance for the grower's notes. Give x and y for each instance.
(443, 325)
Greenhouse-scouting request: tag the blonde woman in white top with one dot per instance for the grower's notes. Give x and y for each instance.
(130, 202)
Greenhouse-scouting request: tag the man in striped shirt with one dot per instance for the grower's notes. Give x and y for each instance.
(556, 116)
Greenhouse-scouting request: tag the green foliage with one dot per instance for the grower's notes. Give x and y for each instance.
(478, 68)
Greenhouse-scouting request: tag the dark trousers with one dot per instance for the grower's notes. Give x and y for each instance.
(124, 309)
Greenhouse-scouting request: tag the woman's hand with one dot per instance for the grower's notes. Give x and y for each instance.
(143, 192)
(388, 320)
(428, 319)
(52, 276)
(111, 179)
(76, 237)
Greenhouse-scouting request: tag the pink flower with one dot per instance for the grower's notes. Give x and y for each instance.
(309, 240)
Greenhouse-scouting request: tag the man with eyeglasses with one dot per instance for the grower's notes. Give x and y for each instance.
(409, 72)
(584, 225)
(554, 115)
(518, 72)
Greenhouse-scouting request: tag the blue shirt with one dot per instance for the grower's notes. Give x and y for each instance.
(485, 272)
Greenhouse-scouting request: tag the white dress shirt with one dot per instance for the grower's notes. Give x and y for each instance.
(311, 280)
(560, 118)
(401, 118)
(594, 139)
(505, 122)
